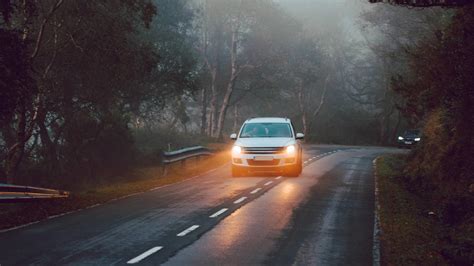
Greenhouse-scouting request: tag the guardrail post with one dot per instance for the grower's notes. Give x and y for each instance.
(165, 170)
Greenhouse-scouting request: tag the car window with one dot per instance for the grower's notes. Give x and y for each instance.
(266, 130)
(412, 132)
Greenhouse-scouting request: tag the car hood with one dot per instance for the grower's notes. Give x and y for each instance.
(264, 142)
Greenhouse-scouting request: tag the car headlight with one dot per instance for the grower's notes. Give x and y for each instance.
(400, 138)
(236, 150)
(291, 149)
(417, 139)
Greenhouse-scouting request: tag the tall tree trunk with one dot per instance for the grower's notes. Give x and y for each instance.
(223, 109)
(213, 107)
(382, 129)
(230, 84)
(321, 102)
(48, 146)
(305, 124)
(396, 128)
(302, 107)
(209, 124)
(236, 118)
(203, 110)
(16, 148)
(213, 70)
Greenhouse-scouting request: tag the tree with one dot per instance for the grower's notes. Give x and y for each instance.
(242, 43)
(80, 72)
(425, 3)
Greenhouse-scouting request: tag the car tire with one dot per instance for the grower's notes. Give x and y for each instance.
(237, 171)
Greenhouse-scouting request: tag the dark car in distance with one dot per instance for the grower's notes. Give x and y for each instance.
(409, 138)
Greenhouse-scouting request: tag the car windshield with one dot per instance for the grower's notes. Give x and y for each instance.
(413, 132)
(266, 130)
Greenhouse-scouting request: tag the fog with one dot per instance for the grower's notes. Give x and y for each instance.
(99, 97)
(169, 74)
(319, 16)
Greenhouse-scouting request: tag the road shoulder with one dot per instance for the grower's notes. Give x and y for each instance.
(13, 216)
(409, 235)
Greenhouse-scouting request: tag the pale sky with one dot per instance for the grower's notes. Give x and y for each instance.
(326, 15)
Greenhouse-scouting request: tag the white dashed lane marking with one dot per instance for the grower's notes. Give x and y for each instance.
(189, 230)
(218, 213)
(255, 190)
(144, 255)
(240, 200)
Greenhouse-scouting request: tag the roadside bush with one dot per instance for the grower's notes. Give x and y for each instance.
(151, 143)
(442, 95)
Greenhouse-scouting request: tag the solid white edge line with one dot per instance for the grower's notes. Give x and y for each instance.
(218, 213)
(255, 190)
(377, 229)
(268, 183)
(188, 230)
(144, 255)
(240, 200)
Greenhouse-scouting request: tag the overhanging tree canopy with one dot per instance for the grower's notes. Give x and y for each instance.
(425, 3)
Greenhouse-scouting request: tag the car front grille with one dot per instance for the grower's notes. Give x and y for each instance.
(263, 163)
(263, 150)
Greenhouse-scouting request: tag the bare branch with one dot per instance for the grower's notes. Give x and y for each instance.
(323, 96)
(425, 3)
(39, 38)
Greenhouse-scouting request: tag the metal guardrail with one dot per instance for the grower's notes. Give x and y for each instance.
(14, 193)
(183, 154)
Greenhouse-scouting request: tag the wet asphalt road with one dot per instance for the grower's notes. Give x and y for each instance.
(323, 217)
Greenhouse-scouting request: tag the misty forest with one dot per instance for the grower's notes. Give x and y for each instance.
(92, 89)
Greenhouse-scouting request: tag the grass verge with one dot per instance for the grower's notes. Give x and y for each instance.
(142, 180)
(410, 235)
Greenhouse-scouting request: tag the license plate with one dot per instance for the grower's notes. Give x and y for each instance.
(263, 158)
(408, 142)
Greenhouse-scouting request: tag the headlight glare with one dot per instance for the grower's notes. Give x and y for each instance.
(291, 149)
(400, 138)
(417, 139)
(236, 150)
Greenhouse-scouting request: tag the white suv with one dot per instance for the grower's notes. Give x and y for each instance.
(267, 145)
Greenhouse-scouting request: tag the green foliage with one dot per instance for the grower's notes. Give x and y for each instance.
(409, 236)
(15, 82)
(76, 73)
(442, 96)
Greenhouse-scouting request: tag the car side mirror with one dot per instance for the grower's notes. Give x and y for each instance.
(299, 136)
(233, 136)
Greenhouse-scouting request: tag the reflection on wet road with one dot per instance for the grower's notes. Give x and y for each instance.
(325, 216)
